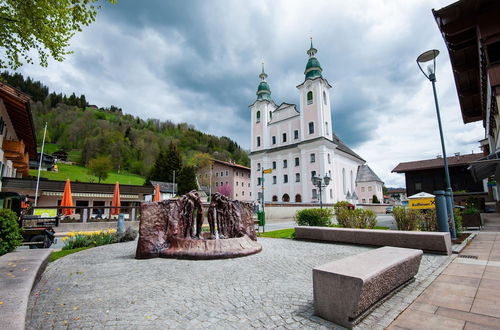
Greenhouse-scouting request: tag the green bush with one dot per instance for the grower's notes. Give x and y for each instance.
(375, 199)
(428, 221)
(90, 239)
(10, 233)
(340, 205)
(407, 219)
(314, 217)
(457, 214)
(358, 218)
(471, 210)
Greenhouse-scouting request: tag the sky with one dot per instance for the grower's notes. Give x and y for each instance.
(198, 62)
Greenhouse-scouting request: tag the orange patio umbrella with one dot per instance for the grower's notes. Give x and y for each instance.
(116, 200)
(157, 193)
(67, 199)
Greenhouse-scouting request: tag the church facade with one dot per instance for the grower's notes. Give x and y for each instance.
(296, 143)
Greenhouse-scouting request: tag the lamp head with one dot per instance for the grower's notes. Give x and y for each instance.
(428, 59)
(327, 179)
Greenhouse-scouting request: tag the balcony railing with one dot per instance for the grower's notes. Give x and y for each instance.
(22, 164)
(13, 150)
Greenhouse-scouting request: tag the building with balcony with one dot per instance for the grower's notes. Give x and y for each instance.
(17, 133)
(228, 178)
(295, 143)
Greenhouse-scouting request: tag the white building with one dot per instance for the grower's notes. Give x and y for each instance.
(368, 184)
(299, 143)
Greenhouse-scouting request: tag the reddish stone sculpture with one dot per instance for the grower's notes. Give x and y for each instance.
(173, 229)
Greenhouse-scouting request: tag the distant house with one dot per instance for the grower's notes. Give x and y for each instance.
(60, 155)
(228, 178)
(395, 196)
(47, 163)
(17, 133)
(428, 175)
(167, 190)
(368, 184)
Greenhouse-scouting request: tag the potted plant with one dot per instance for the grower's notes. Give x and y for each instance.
(471, 217)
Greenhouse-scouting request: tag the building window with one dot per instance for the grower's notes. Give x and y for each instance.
(270, 115)
(313, 174)
(284, 137)
(258, 116)
(329, 159)
(274, 179)
(364, 200)
(285, 163)
(344, 185)
(314, 194)
(227, 173)
(298, 198)
(258, 167)
(258, 141)
(331, 193)
(370, 188)
(418, 186)
(242, 193)
(273, 139)
(362, 189)
(217, 184)
(236, 183)
(221, 174)
(249, 185)
(275, 198)
(227, 182)
(285, 198)
(326, 128)
(217, 174)
(311, 128)
(324, 97)
(297, 177)
(309, 97)
(352, 182)
(259, 181)
(236, 173)
(313, 158)
(285, 178)
(274, 165)
(297, 162)
(296, 134)
(370, 201)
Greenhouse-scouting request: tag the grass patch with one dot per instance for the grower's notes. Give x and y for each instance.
(59, 254)
(49, 148)
(80, 173)
(282, 233)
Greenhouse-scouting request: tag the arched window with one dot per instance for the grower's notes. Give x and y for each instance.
(285, 198)
(311, 128)
(258, 116)
(309, 97)
(298, 198)
(324, 97)
(352, 182)
(344, 185)
(275, 198)
(326, 128)
(270, 115)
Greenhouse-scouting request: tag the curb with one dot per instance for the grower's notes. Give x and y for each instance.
(458, 248)
(19, 272)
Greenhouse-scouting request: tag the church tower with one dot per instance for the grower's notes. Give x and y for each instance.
(315, 114)
(261, 112)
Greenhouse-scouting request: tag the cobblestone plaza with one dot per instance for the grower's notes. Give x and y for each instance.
(105, 287)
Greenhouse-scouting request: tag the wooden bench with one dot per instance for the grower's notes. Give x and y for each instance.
(345, 289)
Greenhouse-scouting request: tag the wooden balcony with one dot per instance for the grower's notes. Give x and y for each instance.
(23, 163)
(13, 150)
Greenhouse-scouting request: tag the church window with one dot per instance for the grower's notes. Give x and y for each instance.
(274, 179)
(362, 189)
(311, 128)
(284, 137)
(298, 198)
(270, 115)
(370, 188)
(352, 182)
(285, 163)
(309, 97)
(314, 194)
(364, 200)
(259, 181)
(343, 181)
(285, 198)
(313, 158)
(275, 198)
(296, 134)
(329, 159)
(285, 178)
(324, 97)
(326, 128)
(274, 165)
(258, 141)
(274, 139)
(258, 116)
(313, 174)
(297, 162)
(297, 177)
(258, 166)
(331, 193)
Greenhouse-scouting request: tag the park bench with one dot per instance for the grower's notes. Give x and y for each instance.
(346, 290)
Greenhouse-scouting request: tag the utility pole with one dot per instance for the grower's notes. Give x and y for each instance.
(173, 186)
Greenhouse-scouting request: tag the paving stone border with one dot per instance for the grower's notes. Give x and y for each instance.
(106, 287)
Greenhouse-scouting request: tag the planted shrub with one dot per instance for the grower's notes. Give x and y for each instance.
(457, 214)
(89, 239)
(340, 205)
(314, 217)
(358, 218)
(10, 233)
(407, 219)
(428, 221)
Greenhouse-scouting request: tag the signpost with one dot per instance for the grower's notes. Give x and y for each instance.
(262, 214)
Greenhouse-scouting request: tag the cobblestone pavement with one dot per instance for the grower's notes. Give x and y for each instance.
(106, 287)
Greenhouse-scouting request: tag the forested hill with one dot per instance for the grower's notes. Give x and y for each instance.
(132, 143)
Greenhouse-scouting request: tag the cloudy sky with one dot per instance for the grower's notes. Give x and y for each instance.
(198, 62)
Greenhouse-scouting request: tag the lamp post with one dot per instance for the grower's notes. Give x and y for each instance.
(428, 59)
(320, 183)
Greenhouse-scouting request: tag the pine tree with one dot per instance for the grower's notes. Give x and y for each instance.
(186, 180)
(166, 163)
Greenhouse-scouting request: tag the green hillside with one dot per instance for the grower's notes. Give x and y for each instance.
(80, 173)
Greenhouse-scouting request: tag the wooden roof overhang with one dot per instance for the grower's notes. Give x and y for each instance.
(17, 105)
(465, 26)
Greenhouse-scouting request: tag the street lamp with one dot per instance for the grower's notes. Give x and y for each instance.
(320, 183)
(428, 59)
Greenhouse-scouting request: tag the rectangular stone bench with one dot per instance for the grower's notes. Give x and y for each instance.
(434, 242)
(345, 289)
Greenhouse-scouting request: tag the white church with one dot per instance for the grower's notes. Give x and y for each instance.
(297, 144)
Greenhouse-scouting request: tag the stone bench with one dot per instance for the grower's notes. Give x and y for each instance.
(347, 288)
(434, 242)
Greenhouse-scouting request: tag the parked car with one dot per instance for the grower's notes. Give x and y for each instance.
(388, 209)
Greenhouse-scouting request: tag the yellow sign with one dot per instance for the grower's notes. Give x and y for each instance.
(422, 203)
(268, 171)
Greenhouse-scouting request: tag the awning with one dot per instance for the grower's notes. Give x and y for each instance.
(485, 167)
